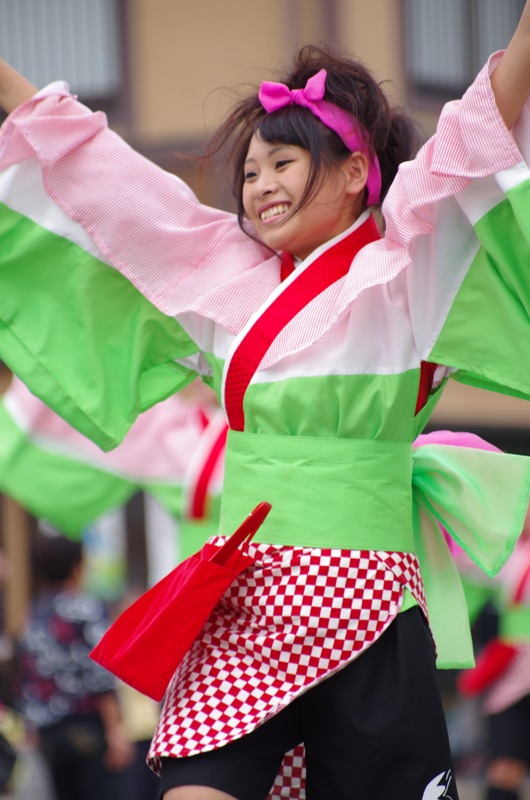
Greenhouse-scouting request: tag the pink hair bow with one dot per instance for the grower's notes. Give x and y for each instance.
(274, 96)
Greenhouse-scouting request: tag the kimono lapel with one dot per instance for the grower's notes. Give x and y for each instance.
(306, 284)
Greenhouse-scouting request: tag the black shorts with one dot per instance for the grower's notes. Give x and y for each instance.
(376, 729)
(509, 732)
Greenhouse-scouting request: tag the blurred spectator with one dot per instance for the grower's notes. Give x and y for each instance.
(8, 758)
(502, 678)
(140, 716)
(67, 701)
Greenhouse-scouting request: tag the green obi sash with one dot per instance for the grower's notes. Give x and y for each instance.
(481, 499)
(341, 493)
(367, 494)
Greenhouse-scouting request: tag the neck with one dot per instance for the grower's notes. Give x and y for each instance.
(362, 218)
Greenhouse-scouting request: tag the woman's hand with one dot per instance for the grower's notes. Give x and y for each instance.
(14, 88)
(510, 80)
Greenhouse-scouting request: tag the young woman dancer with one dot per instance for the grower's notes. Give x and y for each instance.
(328, 346)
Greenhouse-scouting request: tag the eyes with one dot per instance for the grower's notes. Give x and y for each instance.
(278, 166)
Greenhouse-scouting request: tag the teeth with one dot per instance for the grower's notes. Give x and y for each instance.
(274, 211)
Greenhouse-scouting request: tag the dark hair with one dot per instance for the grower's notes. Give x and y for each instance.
(393, 135)
(55, 558)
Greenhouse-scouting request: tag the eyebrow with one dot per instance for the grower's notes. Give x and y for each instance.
(270, 152)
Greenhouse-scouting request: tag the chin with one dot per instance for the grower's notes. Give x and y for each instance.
(275, 243)
(276, 239)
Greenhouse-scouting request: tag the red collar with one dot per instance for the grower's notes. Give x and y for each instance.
(287, 266)
(326, 269)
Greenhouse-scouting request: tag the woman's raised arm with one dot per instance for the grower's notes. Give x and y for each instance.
(511, 79)
(14, 88)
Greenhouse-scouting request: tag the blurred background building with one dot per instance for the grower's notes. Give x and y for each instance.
(164, 71)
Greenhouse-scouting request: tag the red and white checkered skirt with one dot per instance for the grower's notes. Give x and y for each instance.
(288, 622)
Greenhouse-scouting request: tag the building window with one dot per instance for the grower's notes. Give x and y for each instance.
(448, 41)
(80, 41)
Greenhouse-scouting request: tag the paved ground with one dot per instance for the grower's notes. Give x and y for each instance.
(33, 784)
(469, 790)
(472, 790)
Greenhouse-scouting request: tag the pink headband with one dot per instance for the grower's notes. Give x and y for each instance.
(274, 96)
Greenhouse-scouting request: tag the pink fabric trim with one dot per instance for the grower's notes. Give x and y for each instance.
(455, 439)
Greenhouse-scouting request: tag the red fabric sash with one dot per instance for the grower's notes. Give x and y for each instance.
(325, 270)
(520, 590)
(199, 494)
(427, 371)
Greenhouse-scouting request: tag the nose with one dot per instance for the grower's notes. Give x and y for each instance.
(265, 184)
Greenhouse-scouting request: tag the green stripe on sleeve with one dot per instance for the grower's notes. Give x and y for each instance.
(80, 335)
(486, 332)
(64, 491)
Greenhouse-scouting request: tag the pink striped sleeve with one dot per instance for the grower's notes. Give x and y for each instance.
(471, 141)
(146, 222)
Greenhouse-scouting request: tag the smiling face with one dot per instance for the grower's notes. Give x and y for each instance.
(276, 176)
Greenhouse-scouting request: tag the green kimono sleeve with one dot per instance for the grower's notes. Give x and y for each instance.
(486, 332)
(79, 334)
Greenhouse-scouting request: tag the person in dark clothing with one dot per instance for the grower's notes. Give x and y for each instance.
(63, 696)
